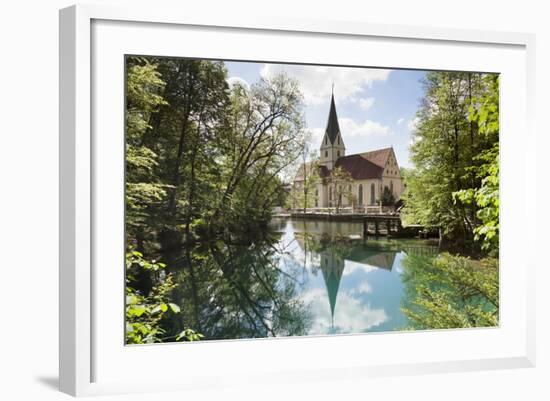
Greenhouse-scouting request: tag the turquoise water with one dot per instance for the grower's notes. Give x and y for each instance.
(351, 285)
(300, 277)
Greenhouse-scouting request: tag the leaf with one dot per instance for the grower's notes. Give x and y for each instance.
(131, 300)
(175, 308)
(137, 310)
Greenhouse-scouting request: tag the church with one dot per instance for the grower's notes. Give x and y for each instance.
(369, 173)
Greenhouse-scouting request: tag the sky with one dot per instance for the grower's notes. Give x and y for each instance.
(376, 107)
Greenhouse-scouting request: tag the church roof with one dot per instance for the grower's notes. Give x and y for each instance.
(359, 167)
(378, 157)
(333, 128)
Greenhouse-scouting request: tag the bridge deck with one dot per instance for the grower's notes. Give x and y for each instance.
(348, 216)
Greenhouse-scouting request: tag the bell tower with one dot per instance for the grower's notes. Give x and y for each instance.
(332, 146)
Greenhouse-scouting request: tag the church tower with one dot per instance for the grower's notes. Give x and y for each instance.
(332, 146)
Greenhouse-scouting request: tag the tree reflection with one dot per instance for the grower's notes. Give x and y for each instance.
(228, 291)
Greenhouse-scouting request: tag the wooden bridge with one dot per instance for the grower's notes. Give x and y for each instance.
(373, 224)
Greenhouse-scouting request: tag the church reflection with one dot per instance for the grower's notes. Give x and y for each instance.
(332, 253)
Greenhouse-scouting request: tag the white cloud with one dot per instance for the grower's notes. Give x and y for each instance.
(354, 133)
(351, 316)
(351, 128)
(232, 81)
(316, 81)
(316, 136)
(366, 103)
(400, 121)
(364, 288)
(352, 267)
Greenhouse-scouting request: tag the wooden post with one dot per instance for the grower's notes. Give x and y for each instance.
(388, 227)
(365, 228)
(376, 227)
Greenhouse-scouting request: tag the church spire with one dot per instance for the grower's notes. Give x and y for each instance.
(333, 128)
(332, 267)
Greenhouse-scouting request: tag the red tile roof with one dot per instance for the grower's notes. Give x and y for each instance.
(378, 157)
(359, 167)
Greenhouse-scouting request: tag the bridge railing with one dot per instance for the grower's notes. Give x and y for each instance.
(346, 210)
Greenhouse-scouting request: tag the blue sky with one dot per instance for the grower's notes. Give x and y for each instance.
(376, 107)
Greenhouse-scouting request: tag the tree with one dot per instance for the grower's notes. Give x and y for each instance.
(340, 183)
(444, 151)
(144, 189)
(304, 191)
(266, 129)
(190, 134)
(308, 170)
(204, 158)
(388, 199)
(485, 114)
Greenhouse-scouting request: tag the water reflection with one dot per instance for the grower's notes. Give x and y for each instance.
(301, 278)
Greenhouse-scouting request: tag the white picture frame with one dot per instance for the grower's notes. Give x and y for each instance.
(91, 364)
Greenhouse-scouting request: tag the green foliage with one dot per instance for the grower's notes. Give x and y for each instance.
(204, 158)
(189, 335)
(203, 163)
(451, 292)
(486, 197)
(454, 142)
(145, 313)
(265, 138)
(143, 88)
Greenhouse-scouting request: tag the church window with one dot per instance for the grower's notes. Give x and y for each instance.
(372, 194)
(338, 153)
(360, 196)
(326, 153)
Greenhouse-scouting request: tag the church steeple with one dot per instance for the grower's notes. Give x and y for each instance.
(332, 146)
(333, 128)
